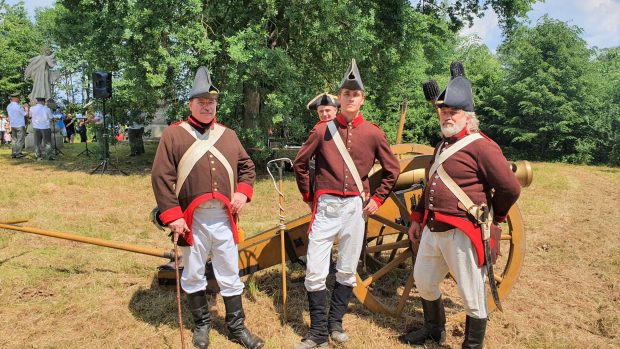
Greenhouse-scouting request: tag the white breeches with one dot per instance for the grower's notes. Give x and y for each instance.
(336, 217)
(450, 251)
(212, 234)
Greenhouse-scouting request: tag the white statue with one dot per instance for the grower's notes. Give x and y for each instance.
(38, 70)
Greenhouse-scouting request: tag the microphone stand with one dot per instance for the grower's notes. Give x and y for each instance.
(105, 163)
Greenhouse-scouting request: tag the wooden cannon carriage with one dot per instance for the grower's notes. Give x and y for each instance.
(388, 251)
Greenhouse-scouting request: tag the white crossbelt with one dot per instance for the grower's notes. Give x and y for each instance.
(204, 143)
(346, 157)
(437, 166)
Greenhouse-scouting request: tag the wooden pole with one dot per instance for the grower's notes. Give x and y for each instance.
(93, 241)
(178, 279)
(401, 123)
(282, 243)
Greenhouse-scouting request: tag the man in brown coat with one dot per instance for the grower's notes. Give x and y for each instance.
(201, 177)
(345, 150)
(451, 240)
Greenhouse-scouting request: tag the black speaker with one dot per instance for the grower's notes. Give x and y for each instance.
(102, 85)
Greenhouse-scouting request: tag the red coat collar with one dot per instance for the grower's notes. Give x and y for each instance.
(458, 136)
(200, 126)
(356, 121)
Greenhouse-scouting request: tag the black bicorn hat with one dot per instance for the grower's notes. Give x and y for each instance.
(457, 95)
(323, 99)
(352, 79)
(202, 86)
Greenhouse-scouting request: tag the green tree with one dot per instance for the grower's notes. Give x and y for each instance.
(19, 41)
(547, 96)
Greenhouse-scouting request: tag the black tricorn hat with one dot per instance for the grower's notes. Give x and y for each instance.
(352, 79)
(323, 99)
(202, 87)
(457, 95)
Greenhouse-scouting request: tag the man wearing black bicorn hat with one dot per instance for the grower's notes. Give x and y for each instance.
(17, 119)
(201, 178)
(345, 149)
(325, 105)
(41, 115)
(468, 176)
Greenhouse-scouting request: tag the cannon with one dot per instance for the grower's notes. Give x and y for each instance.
(387, 256)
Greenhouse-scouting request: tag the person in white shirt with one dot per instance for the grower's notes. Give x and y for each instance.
(17, 119)
(4, 122)
(41, 116)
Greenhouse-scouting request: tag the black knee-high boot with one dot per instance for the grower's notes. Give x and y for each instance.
(317, 335)
(434, 324)
(199, 307)
(474, 333)
(339, 305)
(237, 332)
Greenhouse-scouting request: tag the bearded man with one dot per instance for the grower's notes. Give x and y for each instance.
(451, 240)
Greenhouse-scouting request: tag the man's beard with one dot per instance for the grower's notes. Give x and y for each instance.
(453, 129)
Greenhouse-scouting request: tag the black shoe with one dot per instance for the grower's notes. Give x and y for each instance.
(199, 307)
(434, 324)
(19, 155)
(474, 333)
(235, 318)
(339, 305)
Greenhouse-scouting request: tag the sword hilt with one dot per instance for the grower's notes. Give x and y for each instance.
(484, 222)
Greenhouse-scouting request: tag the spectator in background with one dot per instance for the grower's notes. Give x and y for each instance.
(41, 116)
(3, 126)
(17, 119)
(59, 120)
(81, 130)
(7, 137)
(70, 127)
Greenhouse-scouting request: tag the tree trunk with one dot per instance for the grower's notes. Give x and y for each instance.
(251, 107)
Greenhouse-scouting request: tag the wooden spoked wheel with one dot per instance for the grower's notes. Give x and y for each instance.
(385, 280)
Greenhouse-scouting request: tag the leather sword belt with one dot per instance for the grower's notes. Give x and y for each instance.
(435, 226)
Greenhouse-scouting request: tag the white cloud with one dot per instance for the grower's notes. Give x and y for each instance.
(599, 19)
(486, 28)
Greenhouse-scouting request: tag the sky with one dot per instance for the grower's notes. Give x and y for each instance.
(599, 19)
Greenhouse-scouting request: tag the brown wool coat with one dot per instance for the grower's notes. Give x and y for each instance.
(365, 142)
(207, 180)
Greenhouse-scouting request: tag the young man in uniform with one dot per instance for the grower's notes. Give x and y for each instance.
(201, 177)
(17, 119)
(345, 150)
(451, 240)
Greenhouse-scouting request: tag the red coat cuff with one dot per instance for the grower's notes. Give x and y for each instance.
(246, 190)
(308, 197)
(416, 217)
(378, 200)
(171, 215)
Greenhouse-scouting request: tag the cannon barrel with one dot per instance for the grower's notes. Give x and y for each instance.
(522, 170)
(93, 241)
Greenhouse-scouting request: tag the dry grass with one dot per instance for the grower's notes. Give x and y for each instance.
(61, 294)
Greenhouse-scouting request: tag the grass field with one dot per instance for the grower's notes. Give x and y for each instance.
(61, 294)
